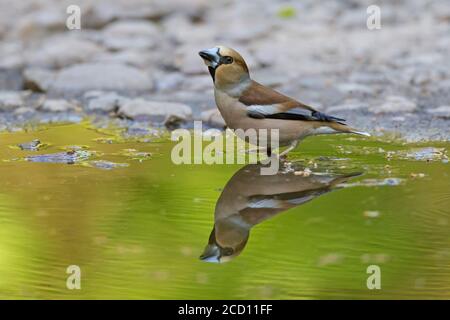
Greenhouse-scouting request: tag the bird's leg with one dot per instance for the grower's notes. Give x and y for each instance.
(293, 145)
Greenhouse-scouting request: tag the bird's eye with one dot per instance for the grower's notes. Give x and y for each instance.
(227, 251)
(227, 60)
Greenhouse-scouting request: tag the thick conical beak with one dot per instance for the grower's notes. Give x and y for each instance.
(210, 56)
(211, 254)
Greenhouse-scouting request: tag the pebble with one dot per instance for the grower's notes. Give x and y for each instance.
(395, 104)
(213, 118)
(58, 105)
(149, 49)
(442, 112)
(61, 52)
(141, 109)
(103, 102)
(371, 214)
(34, 145)
(78, 79)
(10, 100)
(68, 157)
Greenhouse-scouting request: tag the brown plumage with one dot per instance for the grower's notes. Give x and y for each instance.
(250, 198)
(246, 104)
(258, 94)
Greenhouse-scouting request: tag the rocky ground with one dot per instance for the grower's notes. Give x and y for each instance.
(135, 62)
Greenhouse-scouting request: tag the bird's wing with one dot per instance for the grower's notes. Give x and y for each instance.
(262, 207)
(263, 102)
(285, 200)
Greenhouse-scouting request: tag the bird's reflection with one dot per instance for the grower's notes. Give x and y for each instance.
(250, 198)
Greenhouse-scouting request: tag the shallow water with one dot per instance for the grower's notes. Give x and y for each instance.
(136, 224)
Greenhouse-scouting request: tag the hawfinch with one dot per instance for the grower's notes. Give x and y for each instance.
(246, 104)
(250, 198)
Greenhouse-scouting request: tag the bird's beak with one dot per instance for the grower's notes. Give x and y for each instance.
(210, 56)
(211, 254)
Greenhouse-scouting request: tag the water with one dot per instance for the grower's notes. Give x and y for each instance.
(136, 224)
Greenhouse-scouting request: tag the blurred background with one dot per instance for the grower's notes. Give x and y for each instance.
(395, 78)
(97, 100)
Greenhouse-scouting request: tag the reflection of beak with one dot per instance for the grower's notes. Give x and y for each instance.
(211, 254)
(210, 56)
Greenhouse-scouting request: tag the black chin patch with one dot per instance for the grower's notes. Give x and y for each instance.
(212, 72)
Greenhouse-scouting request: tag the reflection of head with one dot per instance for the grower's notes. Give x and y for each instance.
(250, 198)
(227, 240)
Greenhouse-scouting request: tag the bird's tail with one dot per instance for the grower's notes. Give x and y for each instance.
(343, 178)
(362, 133)
(340, 127)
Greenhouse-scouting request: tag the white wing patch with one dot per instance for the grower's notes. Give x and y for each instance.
(266, 203)
(324, 130)
(263, 110)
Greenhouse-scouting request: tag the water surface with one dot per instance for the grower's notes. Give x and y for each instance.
(136, 224)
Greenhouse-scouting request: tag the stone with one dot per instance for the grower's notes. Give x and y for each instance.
(354, 88)
(69, 157)
(141, 109)
(135, 58)
(213, 118)
(395, 104)
(441, 112)
(58, 105)
(24, 111)
(104, 102)
(245, 31)
(169, 81)
(11, 79)
(371, 214)
(188, 61)
(130, 34)
(10, 100)
(78, 79)
(37, 79)
(200, 83)
(270, 77)
(130, 28)
(34, 145)
(11, 53)
(182, 30)
(39, 23)
(106, 165)
(61, 52)
(348, 106)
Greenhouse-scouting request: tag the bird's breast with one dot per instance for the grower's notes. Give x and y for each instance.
(235, 115)
(230, 108)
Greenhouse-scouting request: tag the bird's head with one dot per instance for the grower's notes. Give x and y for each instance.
(226, 66)
(225, 242)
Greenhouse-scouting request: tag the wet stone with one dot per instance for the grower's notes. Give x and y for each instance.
(134, 154)
(375, 182)
(419, 154)
(106, 165)
(34, 145)
(135, 132)
(69, 157)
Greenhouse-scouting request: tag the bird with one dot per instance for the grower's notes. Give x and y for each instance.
(246, 104)
(249, 199)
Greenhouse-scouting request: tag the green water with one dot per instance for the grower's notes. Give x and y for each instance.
(137, 230)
